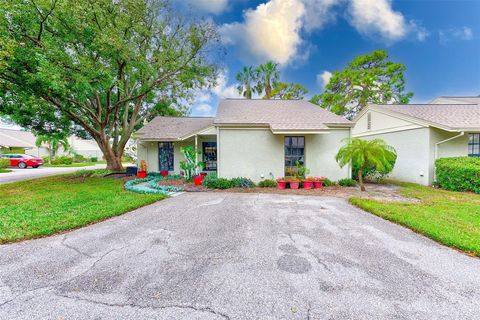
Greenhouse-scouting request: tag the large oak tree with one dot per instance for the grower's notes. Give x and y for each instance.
(102, 66)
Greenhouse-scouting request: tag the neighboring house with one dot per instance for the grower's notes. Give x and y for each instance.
(11, 139)
(421, 133)
(256, 139)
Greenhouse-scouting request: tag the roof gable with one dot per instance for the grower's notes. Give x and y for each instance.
(173, 128)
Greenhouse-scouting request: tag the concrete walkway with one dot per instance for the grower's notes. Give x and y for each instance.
(31, 173)
(239, 256)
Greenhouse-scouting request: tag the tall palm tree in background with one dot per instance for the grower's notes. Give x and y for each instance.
(54, 141)
(366, 153)
(245, 79)
(267, 75)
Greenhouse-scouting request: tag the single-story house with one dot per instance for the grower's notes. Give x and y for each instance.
(422, 133)
(252, 138)
(12, 139)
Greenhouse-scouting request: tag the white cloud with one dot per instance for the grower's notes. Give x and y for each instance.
(376, 18)
(318, 13)
(203, 109)
(324, 78)
(463, 33)
(270, 31)
(222, 89)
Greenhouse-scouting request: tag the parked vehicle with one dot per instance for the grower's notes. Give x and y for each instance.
(23, 160)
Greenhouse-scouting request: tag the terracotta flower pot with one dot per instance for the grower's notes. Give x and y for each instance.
(164, 173)
(318, 184)
(142, 174)
(294, 184)
(281, 184)
(197, 180)
(307, 185)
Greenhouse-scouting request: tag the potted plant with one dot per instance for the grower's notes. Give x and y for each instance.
(294, 183)
(164, 173)
(142, 173)
(191, 164)
(198, 180)
(308, 183)
(318, 182)
(281, 183)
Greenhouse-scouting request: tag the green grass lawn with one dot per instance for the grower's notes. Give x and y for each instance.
(85, 164)
(44, 206)
(5, 170)
(452, 218)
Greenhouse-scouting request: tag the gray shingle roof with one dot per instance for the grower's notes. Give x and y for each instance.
(456, 100)
(173, 128)
(278, 114)
(451, 116)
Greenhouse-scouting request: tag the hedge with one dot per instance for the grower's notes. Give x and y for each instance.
(458, 174)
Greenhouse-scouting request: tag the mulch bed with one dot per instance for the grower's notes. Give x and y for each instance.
(188, 186)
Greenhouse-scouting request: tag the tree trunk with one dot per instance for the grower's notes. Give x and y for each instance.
(360, 179)
(114, 159)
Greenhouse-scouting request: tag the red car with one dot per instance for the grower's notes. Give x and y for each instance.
(23, 160)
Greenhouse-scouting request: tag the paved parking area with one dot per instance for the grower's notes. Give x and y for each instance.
(239, 256)
(31, 173)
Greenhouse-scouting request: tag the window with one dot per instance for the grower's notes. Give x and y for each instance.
(369, 121)
(210, 155)
(294, 151)
(165, 156)
(474, 145)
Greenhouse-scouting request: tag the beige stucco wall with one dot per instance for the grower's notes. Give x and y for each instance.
(320, 151)
(413, 154)
(250, 153)
(258, 153)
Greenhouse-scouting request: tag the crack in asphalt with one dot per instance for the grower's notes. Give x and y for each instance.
(63, 243)
(132, 305)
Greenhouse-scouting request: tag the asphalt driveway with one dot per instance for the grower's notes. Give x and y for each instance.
(239, 256)
(31, 173)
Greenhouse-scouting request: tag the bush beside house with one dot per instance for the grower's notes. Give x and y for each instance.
(458, 174)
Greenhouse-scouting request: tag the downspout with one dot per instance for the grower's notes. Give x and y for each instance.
(435, 153)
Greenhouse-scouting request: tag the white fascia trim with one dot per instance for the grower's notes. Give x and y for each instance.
(196, 133)
(300, 132)
(389, 130)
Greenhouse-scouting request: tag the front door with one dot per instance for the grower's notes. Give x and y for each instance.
(165, 156)
(210, 156)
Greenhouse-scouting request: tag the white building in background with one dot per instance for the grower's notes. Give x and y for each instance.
(16, 139)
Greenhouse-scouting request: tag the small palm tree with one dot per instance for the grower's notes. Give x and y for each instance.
(245, 78)
(366, 153)
(54, 141)
(267, 75)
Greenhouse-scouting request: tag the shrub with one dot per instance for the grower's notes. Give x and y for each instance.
(458, 174)
(371, 173)
(347, 182)
(211, 181)
(78, 158)
(241, 182)
(267, 183)
(327, 182)
(4, 163)
(62, 160)
(93, 159)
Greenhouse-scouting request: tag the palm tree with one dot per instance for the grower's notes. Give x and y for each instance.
(366, 153)
(267, 75)
(245, 78)
(54, 141)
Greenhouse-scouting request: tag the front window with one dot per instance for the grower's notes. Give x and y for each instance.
(294, 151)
(474, 145)
(165, 156)
(210, 156)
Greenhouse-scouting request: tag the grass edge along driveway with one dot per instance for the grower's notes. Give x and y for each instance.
(451, 218)
(45, 206)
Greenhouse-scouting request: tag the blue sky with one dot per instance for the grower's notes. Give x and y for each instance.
(438, 41)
